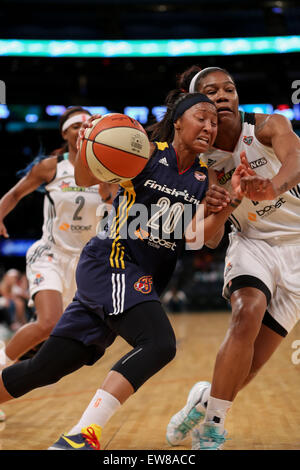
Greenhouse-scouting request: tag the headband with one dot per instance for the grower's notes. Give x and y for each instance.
(188, 102)
(72, 120)
(195, 78)
(193, 82)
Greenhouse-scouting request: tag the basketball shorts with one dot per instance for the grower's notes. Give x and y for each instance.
(107, 290)
(47, 267)
(102, 292)
(276, 266)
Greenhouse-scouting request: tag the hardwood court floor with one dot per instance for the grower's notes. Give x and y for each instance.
(265, 415)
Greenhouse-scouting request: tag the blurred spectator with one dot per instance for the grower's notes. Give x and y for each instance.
(175, 300)
(13, 299)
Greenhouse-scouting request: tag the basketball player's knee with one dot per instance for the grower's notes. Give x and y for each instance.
(42, 376)
(22, 377)
(165, 352)
(245, 322)
(46, 326)
(56, 358)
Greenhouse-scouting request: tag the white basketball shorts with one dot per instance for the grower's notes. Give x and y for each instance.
(49, 268)
(277, 266)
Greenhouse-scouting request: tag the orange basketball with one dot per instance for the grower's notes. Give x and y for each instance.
(116, 148)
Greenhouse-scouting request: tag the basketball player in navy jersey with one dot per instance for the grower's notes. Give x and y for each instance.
(51, 261)
(261, 278)
(122, 272)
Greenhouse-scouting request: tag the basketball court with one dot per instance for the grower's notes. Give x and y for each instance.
(265, 415)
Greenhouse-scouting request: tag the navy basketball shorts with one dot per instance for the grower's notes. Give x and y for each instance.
(103, 292)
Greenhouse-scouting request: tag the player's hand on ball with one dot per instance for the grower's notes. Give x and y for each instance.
(85, 125)
(216, 198)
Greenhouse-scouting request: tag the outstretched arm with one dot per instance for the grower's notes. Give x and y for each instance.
(276, 131)
(215, 200)
(40, 173)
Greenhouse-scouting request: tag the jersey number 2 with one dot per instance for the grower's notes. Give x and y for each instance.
(80, 201)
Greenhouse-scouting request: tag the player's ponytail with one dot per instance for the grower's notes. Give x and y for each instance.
(163, 131)
(184, 79)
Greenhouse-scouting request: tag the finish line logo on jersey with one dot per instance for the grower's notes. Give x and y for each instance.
(144, 284)
(172, 191)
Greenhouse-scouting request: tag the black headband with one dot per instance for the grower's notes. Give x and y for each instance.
(188, 102)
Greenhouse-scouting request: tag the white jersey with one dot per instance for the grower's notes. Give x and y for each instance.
(277, 220)
(70, 219)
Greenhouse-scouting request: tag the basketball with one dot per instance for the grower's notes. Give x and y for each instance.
(116, 148)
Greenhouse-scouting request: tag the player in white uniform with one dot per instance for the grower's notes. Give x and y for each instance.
(71, 216)
(261, 277)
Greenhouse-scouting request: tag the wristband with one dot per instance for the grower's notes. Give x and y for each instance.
(235, 202)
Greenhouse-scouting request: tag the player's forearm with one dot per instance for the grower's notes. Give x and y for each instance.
(202, 230)
(289, 173)
(7, 203)
(214, 223)
(215, 240)
(83, 176)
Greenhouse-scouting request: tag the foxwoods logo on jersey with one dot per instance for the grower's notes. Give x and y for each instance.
(160, 226)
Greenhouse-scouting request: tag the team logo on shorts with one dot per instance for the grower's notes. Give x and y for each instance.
(144, 284)
(199, 176)
(247, 140)
(228, 268)
(38, 279)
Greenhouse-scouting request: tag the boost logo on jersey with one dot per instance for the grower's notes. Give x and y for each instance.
(74, 228)
(144, 284)
(267, 210)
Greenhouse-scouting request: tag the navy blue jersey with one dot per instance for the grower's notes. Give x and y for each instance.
(133, 260)
(151, 212)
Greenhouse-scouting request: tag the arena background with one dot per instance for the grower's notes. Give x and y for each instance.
(32, 83)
